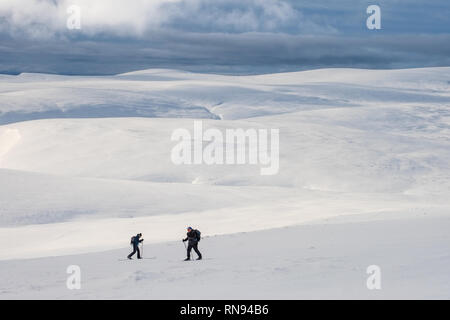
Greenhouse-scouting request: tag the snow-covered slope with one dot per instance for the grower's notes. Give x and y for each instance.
(368, 144)
(326, 260)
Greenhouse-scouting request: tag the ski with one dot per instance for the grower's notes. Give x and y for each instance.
(125, 259)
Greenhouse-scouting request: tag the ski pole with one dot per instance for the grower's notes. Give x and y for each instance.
(142, 249)
(185, 245)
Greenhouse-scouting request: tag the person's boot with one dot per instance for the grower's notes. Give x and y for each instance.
(199, 258)
(187, 259)
(130, 258)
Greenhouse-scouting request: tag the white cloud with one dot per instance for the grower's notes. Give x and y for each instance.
(234, 15)
(47, 18)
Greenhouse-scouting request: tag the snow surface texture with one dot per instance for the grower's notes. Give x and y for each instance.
(364, 180)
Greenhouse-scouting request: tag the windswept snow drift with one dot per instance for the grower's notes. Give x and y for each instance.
(369, 145)
(8, 139)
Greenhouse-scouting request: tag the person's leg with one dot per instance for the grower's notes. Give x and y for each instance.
(138, 252)
(132, 254)
(189, 249)
(197, 251)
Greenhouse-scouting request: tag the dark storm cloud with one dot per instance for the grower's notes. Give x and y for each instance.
(248, 36)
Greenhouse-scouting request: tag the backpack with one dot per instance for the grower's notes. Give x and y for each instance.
(198, 234)
(132, 240)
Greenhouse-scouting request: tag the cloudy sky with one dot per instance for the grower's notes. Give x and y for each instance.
(226, 36)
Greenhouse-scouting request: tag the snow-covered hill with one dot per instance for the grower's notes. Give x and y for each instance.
(369, 148)
(176, 94)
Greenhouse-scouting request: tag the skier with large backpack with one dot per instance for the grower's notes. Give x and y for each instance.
(135, 241)
(193, 238)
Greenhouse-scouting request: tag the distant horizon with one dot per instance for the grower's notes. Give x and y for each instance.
(219, 73)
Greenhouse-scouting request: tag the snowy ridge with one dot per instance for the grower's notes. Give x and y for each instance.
(175, 94)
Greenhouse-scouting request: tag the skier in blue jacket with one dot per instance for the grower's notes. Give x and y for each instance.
(135, 241)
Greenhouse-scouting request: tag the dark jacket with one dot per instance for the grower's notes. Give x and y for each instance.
(192, 237)
(136, 241)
